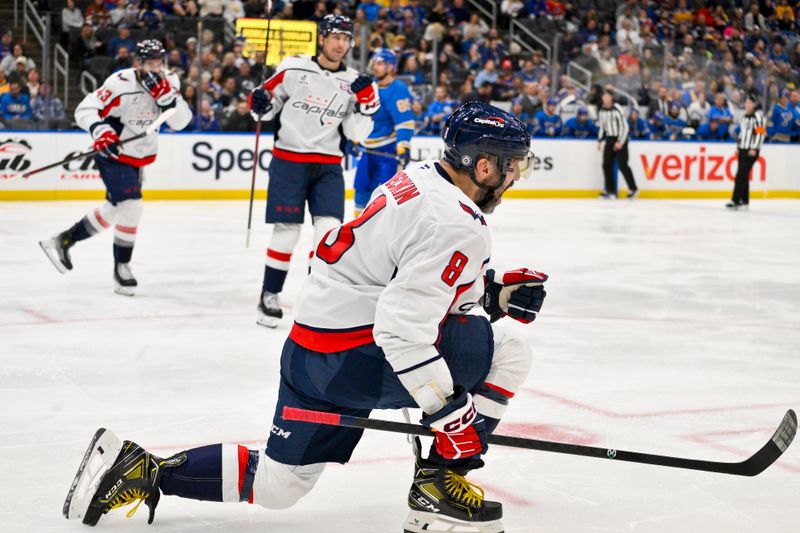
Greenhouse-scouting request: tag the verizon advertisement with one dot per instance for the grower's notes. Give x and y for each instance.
(220, 166)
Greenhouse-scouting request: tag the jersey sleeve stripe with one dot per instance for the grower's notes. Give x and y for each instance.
(274, 81)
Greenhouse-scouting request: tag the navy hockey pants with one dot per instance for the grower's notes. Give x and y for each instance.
(354, 382)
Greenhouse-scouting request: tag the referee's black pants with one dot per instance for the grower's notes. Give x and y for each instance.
(621, 157)
(741, 187)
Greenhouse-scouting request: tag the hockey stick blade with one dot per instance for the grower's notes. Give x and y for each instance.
(752, 466)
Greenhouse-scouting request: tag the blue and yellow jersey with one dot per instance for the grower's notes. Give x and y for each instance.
(394, 121)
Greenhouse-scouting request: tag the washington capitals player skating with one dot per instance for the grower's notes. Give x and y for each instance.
(380, 323)
(394, 127)
(317, 103)
(127, 103)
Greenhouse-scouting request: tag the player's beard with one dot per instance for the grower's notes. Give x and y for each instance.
(493, 197)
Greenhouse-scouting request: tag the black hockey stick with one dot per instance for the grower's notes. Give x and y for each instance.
(147, 131)
(752, 466)
(258, 128)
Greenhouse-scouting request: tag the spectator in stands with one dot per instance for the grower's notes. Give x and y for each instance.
(122, 60)
(439, 110)
(190, 96)
(125, 12)
(86, 47)
(721, 111)
(244, 82)
(71, 19)
(482, 94)
(547, 123)
(234, 9)
(4, 86)
(488, 73)
(580, 126)
(206, 119)
(637, 125)
(211, 8)
(149, 18)
(420, 118)
(530, 99)
(505, 85)
(6, 44)
(674, 122)
(711, 131)
(123, 38)
(20, 74)
(9, 63)
(240, 119)
(494, 48)
(754, 19)
(46, 107)
(657, 127)
(698, 110)
(32, 83)
(412, 69)
(784, 120)
(15, 104)
(97, 14)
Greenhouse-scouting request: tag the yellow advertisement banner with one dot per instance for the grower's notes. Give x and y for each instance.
(286, 38)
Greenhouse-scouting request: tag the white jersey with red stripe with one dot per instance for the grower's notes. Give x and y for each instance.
(314, 110)
(416, 254)
(124, 103)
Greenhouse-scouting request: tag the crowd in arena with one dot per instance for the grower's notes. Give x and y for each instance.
(683, 68)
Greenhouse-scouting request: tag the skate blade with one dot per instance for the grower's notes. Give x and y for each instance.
(422, 522)
(124, 291)
(52, 256)
(103, 450)
(268, 321)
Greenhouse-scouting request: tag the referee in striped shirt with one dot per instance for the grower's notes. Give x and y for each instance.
(752, 131)
(614, 131)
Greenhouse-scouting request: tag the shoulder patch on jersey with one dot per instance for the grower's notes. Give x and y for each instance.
(472, 213)
(402, 188)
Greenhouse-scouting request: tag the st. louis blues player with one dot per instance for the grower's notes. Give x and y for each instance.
(391, 135)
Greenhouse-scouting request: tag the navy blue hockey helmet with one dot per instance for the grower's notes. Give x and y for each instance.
(336, 24)
(478, 129)
(150, 49)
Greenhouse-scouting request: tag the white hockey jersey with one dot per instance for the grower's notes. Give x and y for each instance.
(416, 254)
(314, 110)
(124, 103)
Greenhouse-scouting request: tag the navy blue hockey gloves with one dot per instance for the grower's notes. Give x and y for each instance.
(259, 101)
(519, 294)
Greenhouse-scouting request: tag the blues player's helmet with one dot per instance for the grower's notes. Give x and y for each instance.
(150, 49)
(336, 24)
(385, 55)
(476, 129)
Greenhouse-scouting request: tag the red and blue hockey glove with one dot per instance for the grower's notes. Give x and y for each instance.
(160, 89)
(259, 101)
(105, 140)
(519, 294)
(366, 93)
(460, 430)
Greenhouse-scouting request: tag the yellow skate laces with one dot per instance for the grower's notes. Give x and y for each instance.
(128, 497)
(462, 490)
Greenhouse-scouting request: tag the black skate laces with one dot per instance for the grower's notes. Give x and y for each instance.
(466, 493)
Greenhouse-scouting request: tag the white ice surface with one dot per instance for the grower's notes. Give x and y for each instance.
(670, 327)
